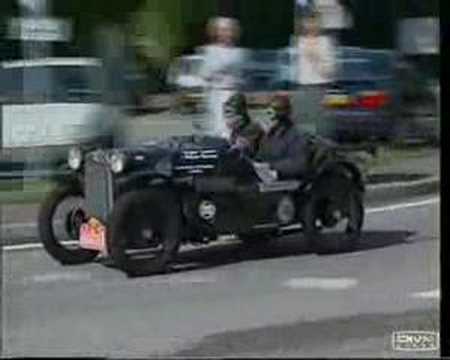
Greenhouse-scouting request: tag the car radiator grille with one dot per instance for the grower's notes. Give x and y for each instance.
(98, 189)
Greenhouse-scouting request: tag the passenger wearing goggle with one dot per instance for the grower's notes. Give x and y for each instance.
(284, 147)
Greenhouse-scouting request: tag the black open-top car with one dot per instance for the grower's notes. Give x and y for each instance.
(137, 205)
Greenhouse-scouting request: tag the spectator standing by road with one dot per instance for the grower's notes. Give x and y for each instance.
(315, 66)
(221, 70)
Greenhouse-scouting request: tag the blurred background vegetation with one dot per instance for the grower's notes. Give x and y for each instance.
(177, 26)
(160, 30)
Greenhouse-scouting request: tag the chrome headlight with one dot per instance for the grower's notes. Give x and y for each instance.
(75, 158)
(117, 162)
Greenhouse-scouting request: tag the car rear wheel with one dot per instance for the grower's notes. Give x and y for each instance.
(59, 222)
(333, 222)
(143, 232)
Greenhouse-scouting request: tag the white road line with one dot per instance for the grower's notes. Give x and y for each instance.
(32, 246)
(23, 225)
(52, 277)
(404, 183)
(432, 294)
(19, 226)
(403, 206)
(176, 280)
(321, 283)
(400, 206)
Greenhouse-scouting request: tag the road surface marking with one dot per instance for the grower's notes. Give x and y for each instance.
(432, 294)
(404, 183)
(400, 206)
(24, 225)
(53, 277)
(321, 283)
(191, 279)
(19, 226)
(32, 246)
(403, 206)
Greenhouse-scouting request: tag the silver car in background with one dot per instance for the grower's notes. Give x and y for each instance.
(48, 105)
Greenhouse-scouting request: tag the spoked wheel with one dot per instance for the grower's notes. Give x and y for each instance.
(333, 222)
(143, 234)
(60, 219)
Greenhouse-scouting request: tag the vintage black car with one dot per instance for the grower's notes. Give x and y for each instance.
(139, 204)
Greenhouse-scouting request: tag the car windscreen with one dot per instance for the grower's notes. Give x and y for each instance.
(50, 84)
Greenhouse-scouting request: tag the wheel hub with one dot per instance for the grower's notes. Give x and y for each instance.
(147, 234)
(147, 238)
(337, 215)
(74, 221)
(332, 215)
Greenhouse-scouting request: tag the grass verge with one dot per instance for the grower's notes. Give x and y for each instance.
(24, 192)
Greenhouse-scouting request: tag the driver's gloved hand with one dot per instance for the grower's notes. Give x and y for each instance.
(242, 143)
(265, 172)
(235, 152)
(240, 146)
(261, 165)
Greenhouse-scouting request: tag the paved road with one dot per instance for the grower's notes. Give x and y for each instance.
(229, 301)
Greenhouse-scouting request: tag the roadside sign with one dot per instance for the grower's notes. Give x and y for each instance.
(419, 36)
(39, 29)
(334, 15)
(35, 6)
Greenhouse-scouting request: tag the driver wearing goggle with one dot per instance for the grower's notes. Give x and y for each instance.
(245, 134)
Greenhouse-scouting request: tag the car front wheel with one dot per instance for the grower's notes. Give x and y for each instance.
(60, 219)
(144, 231)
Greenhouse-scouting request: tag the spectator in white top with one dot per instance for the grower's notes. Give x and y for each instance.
(221, 70)
(315, 66)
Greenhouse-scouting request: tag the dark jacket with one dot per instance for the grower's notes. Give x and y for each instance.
(252, 132)
(286, 149)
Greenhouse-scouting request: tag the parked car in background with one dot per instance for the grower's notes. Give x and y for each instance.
(379, 96)
(184, 78)
(285, 79)
(419, 103)
(261, 70)
(374, 96)
(47, 105)
(361, 104)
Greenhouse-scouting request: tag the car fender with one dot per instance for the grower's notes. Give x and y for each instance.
(141, 180)
(342, 167)
(64, 175)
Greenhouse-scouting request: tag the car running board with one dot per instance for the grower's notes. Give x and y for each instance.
(275, 186)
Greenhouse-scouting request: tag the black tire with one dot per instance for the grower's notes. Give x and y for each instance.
(161, 216)
(351, 201)
(64, 254)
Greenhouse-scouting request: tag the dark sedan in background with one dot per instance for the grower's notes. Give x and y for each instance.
(379, 96)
